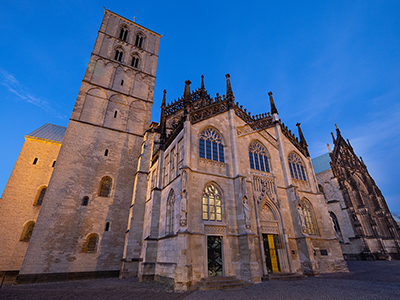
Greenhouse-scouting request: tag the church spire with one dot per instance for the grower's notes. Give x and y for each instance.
(202, 83)
(303, 142)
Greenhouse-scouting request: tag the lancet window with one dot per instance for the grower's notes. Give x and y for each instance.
(105, 187)
(309, 219)
(212, 204)
(296, 167)
(258, 157)
(91, 243)
(39, 199)
(210, 145)
(27, 231)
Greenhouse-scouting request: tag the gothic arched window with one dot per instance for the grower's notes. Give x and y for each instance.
(105, 187)
(169, 228)
(91, 243)
(296, 167)
(258, 157)
(309, 219)
(135, 62)
(118, 54)
(123, 34)
(27, 231)
(212, 204)
(40, 196)
(210, 145)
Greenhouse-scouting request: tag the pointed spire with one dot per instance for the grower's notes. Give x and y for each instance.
(273, 107)
(333, 138)
(163, 118)
(302, 139)
(329, 148)
(202, 82)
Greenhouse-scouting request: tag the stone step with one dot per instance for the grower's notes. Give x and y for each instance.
(224, 286)
(217, 278)
(283, 276)
(220, 282)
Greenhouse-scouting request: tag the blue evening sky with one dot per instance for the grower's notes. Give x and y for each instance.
(323, 60)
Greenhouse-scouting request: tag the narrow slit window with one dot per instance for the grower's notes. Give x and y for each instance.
(122, 82)
(106, 152)
(115, 114)
(85, 201)
(54, 163)
(35, 161)
(107, 227)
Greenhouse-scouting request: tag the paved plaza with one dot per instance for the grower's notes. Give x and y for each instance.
(366, 280)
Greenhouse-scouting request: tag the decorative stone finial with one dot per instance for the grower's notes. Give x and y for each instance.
(329, 148)
(202, 82)
(271, 101)
(164, 98)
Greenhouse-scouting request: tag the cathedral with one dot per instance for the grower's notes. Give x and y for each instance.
(362, 221)
(209, 191)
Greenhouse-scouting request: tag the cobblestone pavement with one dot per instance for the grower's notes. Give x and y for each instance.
(366, 280)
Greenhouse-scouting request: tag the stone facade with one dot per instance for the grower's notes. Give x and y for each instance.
(259, 207)
(209, 191)
(360, 216)
(21, 201)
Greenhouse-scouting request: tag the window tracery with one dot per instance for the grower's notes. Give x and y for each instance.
(296, 167)
(212, 204)
(210, 145)
(258, 157)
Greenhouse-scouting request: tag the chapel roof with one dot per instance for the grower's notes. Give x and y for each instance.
(321, 163)
(49, 132)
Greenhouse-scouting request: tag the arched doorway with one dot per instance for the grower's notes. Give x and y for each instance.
(271, 238)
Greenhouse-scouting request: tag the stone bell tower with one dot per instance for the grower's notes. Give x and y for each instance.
(81, 226)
